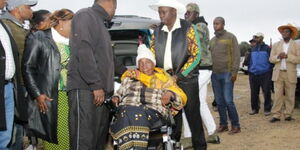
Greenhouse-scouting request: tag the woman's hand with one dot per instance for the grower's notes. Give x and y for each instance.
(133, 73)
(115, 100)
(166, 98)
(41, 102)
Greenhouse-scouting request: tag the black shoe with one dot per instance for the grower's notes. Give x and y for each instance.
(289, 119)
(214, 139)
(253, 112)
(274, 120)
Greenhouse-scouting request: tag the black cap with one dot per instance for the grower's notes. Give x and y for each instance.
(252, 40)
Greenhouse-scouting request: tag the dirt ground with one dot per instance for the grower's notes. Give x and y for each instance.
(257, 133)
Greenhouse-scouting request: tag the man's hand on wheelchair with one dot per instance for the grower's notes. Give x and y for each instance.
(115, 100)
(166, 98)
(99, 96)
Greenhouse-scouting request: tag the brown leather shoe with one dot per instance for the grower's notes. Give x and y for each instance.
(222, 129)
(234, 130)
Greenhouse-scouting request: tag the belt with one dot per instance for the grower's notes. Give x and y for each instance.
(7, 81)
(283, 70)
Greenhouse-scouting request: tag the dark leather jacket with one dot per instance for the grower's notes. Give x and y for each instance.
(41, 68)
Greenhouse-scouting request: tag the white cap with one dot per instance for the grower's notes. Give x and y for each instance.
(259, 34)
(144, 52)
(12, 4)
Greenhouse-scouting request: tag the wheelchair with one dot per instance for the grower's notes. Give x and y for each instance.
(160, 134)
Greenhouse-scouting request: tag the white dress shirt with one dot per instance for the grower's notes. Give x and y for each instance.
(285, 47)
(10, 67)
(168, 55)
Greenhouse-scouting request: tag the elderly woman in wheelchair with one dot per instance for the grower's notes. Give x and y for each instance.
(142, 101)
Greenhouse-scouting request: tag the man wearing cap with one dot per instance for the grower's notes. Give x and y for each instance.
(192, 14)
(252, 45)
(9, 81)
(17, 12)
(285, 54)
(205, 67)
(260, 73)
(176, 48)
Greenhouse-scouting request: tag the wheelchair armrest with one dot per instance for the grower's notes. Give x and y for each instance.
(164, 129)
(157, 125)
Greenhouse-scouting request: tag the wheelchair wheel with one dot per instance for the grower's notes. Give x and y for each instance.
(168, 146)
(178, 146)
(160, 146)
(172, 146)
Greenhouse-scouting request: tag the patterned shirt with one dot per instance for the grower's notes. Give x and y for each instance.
(10, 67)
(204, 38)
(62, 44)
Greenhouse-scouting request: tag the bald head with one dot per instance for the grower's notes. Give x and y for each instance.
(109, 6)
(221, 19)
(219, 23)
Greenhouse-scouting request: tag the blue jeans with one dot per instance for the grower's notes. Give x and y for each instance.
(223, 91)
(5, 136)
(18, 131)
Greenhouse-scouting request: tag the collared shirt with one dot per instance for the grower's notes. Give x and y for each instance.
(285, 47)
(168, 55)
(10, 67)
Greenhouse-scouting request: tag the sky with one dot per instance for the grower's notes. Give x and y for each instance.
(243, 18)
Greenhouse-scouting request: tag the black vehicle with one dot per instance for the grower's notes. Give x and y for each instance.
(127, 32)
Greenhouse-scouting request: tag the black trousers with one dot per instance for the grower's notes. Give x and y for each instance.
(88, 124)
(261, 81)
(191, 88)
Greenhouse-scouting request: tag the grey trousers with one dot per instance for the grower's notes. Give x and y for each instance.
(88, 124)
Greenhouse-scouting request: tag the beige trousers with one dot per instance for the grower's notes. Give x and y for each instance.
(284, 100)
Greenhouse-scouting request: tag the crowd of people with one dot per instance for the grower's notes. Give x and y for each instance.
(58, 71)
